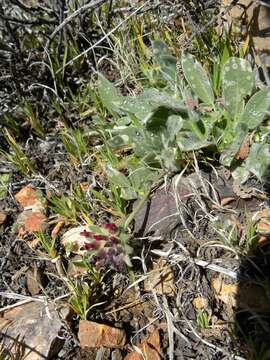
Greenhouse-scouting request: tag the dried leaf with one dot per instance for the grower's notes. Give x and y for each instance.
(243, 151)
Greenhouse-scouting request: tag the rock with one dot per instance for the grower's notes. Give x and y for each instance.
(28, 196)
(33, 217)
(161, 279)
(35, 329)
(35, 280)
(150, 348)
(160, 215)
(31, 221)
(116, 355)
(199, 303)
(3, 217)
(91, 354)
(73, 239)
(92, 334)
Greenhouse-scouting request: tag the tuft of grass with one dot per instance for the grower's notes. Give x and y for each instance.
(73, 206)
(17, 156)
(76, 145)
(202, 319)
(47, 243)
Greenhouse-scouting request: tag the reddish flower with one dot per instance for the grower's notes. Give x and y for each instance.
(111, 227)
(89, 246)
(114, 240)
(99, 237)
(86, 233)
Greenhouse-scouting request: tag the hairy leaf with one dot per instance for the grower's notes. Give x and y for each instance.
(258, 162)
(109, 95)
(117, 178)
(229, 153)
(188, 141)
(166, 61)
(237, 83)
(256, 108)
(197, 79)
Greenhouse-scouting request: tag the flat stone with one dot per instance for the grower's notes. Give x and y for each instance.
(160, 215)
(35, 329)
(35, 280)
(33, 217)
(30, 221)
(28, 196)
(92, 334)
(261, 219)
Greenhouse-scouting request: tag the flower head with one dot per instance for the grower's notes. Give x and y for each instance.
(99, 237)
(111, 227)
(86, 233)
(89, 246)
(113, 241)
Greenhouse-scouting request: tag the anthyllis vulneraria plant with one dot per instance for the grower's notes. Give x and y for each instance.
(106, 247)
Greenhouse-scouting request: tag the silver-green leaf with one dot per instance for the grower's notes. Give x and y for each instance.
(256, 109)
(197, 78)
(237, 83)
(258, 161)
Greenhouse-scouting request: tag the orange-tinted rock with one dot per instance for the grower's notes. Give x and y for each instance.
(29, 222)
(33, 217)
(262, 221)
(28, 196)
(92, 334)
(227, 293)
(150, 347)
(252, 19)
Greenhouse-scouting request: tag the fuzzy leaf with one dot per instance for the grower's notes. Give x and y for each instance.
(143, 104)
(197, 79)
(256, 108)
(117, 178)
(128, 193)
(241, 174)
(237, 83)
(166, 61)
(141, 178)
(228, 155)
(258, 162)
(109, 95)
(188, 141)
(174, 125)
(126, 137)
